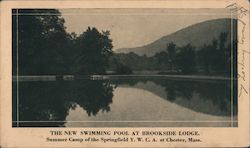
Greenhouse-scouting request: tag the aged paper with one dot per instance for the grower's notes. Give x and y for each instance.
(122, 73)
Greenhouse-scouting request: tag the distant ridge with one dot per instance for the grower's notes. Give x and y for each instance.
(197, 34)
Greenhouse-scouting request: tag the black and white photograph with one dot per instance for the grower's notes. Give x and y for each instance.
(124, 67)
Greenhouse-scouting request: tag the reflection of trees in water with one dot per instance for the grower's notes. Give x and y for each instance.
(171, 93)
(51, 101)
(39, 101)
(129, 81)
(94, 96)
(217, 92)
(175, 88)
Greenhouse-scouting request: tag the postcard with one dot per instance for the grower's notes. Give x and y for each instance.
(142, 73)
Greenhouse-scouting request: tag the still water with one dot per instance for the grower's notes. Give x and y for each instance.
(125, 102)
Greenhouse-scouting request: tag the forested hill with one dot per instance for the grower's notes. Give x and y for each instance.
(197, 34)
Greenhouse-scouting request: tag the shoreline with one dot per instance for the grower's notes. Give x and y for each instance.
(106, 77)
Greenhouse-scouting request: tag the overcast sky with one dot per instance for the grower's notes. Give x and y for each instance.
(133, 28)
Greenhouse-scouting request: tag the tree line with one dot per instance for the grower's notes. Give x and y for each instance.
(42, 46)
(215, 58)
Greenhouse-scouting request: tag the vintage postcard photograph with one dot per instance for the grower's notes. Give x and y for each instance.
(124, 73)
(124, 68)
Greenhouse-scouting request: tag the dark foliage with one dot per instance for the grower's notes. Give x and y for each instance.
(42, 42)
(44, 47)
(92, 50)
(212, 59)
(122, 69)
(51, 104)
(185, 59)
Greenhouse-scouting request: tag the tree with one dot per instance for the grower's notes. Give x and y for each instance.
(93, 50)
(171, 50)
(42, 41)
(122, 69)
(205, 57)
(209, 57)
(223, 54)
(223, 39)
(161, 57)
(185, 59)
(215, 58)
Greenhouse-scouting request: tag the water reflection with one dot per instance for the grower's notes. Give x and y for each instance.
(56, 101)
(51, 101)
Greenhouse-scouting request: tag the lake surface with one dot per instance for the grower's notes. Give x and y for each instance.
(122, 102)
